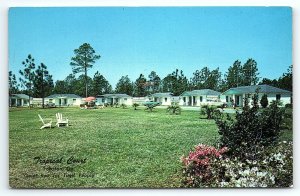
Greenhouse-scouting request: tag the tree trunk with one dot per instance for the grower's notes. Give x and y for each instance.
(43, 93)
(86, 85)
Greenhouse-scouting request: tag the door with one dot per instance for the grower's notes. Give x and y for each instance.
(237, 100)
(190, 101)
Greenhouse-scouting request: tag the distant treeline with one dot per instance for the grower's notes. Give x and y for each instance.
(36, 81)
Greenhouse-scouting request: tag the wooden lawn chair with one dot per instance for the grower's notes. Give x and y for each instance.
(45, 125)
(61, 121)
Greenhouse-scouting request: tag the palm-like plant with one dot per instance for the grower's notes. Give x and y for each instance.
(135, 105)
(123, 105)
(208, 111)
(174, 108)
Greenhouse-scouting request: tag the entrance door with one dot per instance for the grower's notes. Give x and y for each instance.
(194, 101)
(237, 100)
(190, 101)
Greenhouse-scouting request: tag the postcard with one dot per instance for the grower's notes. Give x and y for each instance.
(150, 97)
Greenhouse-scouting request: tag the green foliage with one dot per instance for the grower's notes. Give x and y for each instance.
(100, 85)
(176, 83)
(250, 129)
(289, 105)
(250, 73)
(208, 111)
(27, 74)
(73, 85)
(150, 105)
(264, 101)
(116, 105)
(13, 85)
(124, 85)
(153, 84)
(83, 60)
(135, 105)
(284, 82)
(239, 75)
(123, 105)
(140, 86)
(42, 83)
(234, 75)
(206, 79)
(174, 108)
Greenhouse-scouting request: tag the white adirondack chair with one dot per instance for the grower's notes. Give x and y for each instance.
(45, 125)
(61, 121)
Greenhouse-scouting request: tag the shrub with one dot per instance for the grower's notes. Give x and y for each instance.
(150, 105)
(135, 105)
(289, 105)
(197, 165)
(208, 167)
(123, 105)
(116, 104)
(174, 108)
(264, 101)
(250, 129)
(208, 111)
(273, 169)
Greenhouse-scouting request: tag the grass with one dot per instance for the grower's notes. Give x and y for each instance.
(122, 147)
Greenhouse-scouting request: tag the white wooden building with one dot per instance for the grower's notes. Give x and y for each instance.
(236, 95)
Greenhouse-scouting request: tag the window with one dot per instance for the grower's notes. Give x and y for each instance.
(74, 100)
(278, 96)
(50, 100)
(184, 100)
(201, 98)
(125, 99)
(166, 99)
(103, 100)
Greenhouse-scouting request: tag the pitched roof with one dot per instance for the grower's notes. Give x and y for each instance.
(19, 96)
(168, 94)
(114, 95)
(64, 96)
(200, 92)
(251, 89)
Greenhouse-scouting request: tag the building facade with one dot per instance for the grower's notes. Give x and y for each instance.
(235, 96)
(64, 100)
(200, 97)
(112, 99)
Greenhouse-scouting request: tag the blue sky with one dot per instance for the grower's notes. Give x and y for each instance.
(134, 40)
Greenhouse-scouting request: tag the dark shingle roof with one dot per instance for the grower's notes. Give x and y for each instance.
(19, 96)
(200, 92)
(161, 95)
(114, 95)
(64, 96)
(251, 89)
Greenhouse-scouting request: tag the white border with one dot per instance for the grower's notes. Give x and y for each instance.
(5, 4)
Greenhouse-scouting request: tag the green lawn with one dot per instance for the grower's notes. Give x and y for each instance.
(122, 147)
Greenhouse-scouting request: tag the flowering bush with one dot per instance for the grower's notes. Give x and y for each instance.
(209, 167)
(197, 165)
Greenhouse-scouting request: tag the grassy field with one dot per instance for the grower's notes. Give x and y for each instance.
(121, 147)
